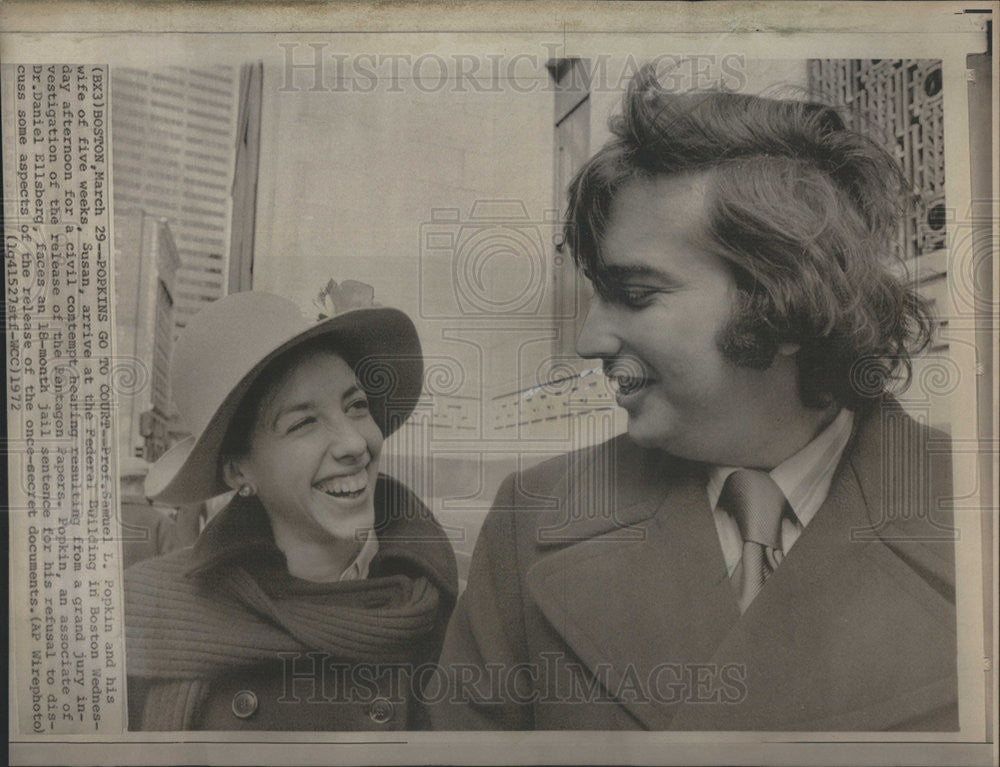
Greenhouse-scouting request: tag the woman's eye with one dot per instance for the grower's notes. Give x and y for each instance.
(358, 406)
(301, 424)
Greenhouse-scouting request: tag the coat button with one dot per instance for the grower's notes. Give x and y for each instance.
(380, 711)
(244, 704)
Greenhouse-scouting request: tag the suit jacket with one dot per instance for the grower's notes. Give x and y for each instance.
(598, 599)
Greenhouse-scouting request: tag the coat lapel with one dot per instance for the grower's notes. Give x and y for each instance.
(847, 634)
(842, 636)
(635, 609)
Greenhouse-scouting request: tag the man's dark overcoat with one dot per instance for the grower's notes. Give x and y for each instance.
(598, 599)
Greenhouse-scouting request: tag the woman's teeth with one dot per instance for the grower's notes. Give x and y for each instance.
(344, 487)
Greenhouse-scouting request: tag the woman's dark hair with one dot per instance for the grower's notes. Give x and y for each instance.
(805, 212)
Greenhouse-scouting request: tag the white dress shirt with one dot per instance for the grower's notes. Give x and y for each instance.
(804, 478)
(358, 569)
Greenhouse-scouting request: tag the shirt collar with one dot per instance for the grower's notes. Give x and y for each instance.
(358, 569)
(804, 477)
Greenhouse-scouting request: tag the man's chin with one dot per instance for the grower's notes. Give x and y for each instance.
(654, 426)
(640, 433)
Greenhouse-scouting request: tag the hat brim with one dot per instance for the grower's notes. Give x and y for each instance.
(379, 343)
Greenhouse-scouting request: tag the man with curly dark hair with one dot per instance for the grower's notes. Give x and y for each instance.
(770, 546)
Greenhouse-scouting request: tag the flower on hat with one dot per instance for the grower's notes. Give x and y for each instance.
(336, 299)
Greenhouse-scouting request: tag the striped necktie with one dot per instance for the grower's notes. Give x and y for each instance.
(756, 503)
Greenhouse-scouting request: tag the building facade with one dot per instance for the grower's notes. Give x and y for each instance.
(146, 269)
(173, 132)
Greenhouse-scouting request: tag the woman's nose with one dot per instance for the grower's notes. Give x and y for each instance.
(599, 336)
(347, 444)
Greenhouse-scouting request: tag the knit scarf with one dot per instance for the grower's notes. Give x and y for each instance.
(188, 624)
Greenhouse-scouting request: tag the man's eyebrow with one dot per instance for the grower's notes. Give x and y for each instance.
(634, 271)
(351, 392)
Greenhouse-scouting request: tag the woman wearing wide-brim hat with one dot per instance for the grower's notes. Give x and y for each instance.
(318, 598)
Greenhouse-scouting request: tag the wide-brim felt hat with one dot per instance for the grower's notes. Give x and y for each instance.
(228, 344)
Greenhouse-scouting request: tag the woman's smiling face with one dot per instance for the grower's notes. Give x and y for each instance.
(314, 452)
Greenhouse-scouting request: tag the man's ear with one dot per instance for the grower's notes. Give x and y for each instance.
(789, 349)
(235, 474)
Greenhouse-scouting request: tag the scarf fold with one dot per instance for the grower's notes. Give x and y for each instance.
(185, 633)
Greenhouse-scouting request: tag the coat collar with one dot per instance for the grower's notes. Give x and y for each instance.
(820, 647)
(606, 489)
(239, 531)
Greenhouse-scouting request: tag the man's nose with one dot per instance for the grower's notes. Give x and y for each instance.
(599, 336)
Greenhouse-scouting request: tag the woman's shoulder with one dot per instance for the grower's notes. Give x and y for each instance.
(172, 563)
(407, 529)
(166, 595)
(400, 511)
(153, 579)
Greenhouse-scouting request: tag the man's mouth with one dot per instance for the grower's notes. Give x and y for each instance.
(626, 376)
(626, 385)
(350, 486)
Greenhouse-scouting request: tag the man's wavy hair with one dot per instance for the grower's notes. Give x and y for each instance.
(804, 210)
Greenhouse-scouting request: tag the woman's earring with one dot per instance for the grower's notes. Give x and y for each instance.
(246, 491)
